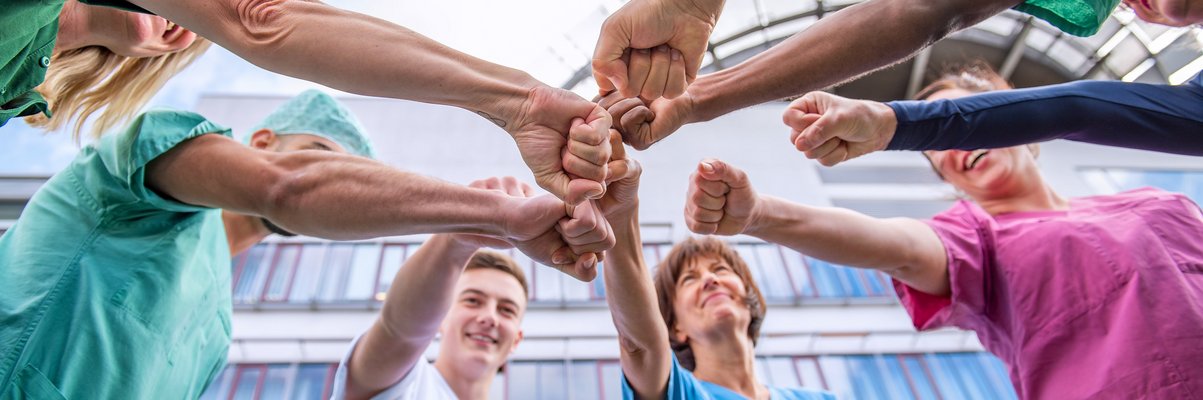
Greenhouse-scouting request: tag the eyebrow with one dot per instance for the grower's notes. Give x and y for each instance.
(320, 146)
(506, 300)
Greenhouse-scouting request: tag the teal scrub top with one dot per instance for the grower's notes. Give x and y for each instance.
(112, 291)
(28, 30)
(1075, 17)
(682, 385)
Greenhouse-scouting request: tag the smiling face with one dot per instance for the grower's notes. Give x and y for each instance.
(705, 289)
(483, 328)
(1168, 12)
(134, 34)
(985, 174)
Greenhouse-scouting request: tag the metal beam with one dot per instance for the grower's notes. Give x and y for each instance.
(918, 69)
(1015, 54)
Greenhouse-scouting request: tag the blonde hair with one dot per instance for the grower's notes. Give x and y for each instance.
(81, 82)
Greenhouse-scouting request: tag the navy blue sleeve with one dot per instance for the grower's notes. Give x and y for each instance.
(1135, 115)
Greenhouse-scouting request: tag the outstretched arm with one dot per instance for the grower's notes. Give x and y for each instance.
(366, 55)
(417, 301)
(721, 201)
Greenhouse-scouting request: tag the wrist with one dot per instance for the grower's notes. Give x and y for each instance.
(761, 217)
(455, 245)
(505, 101)
(887, 123)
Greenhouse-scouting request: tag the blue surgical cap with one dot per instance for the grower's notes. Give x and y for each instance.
(315, 113)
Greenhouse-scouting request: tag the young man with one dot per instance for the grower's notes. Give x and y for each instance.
(474, 299)
(118, 271)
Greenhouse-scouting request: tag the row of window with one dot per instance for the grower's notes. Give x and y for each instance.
(1110, 180)
(327, 272)
(904, 376)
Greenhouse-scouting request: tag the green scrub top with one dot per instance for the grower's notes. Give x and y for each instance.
(28, 29)
(1075, 17)
(112, 291)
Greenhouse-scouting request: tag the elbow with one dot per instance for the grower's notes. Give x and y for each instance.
(287, 183)
(262, 24)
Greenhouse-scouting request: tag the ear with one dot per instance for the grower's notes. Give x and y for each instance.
(679, 335)
(517, 341)
(264, 139)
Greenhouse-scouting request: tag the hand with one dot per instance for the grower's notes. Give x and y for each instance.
(642, 125)
(683, 25)
(562, 138)
(622, 193)
(833, 129)
(720, 200)
(532, 229)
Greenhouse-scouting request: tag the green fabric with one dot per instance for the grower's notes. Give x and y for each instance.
(315, 113)
(30, 28)
(1075, 17)
(110, 290)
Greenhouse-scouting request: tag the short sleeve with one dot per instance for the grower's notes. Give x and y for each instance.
(682, 385)
(419, 382)
(126, 154)
(964, 230)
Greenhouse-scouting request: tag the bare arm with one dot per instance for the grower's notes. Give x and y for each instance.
(721, 201)
(851, 42)
(366, 55)
(417, 301)
(904, 248)
(334, 196)
(643, 340)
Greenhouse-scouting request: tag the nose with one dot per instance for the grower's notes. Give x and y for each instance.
(487, 319)
(709, 281)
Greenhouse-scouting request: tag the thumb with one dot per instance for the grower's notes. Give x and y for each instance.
(609, 69)
(715, 170)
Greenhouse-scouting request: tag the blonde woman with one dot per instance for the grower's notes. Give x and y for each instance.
(71, 60)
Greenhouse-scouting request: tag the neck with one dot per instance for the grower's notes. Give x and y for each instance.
(728, 362)
(467, 386)
(242, 231)
(73, 32)
(1035, 197)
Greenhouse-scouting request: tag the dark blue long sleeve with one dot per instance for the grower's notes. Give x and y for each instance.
(1141, 116)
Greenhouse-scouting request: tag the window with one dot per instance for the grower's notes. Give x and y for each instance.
(308, 273)
(1114, 180)
(390, 264)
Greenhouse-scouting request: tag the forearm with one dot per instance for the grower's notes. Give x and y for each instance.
(1151, 117)
(897, 246)
(348, 198)
(417, 301)
(846, 44)
(643, 339)
(351, 52)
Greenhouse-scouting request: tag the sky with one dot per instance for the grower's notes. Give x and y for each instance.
(549, 39)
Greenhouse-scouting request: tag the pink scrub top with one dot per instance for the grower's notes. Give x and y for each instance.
(1103, 301)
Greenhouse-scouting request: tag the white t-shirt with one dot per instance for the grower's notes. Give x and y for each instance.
(423, 382)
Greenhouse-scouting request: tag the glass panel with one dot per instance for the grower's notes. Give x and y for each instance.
(835, 373)
(893, 379)
(920, 380)
(309, 270)
(394, 256)
(528, 268)
(748, 253)
(365, 264)
(945, 376)
(274, 384)
(798, 272)
(282, 270)
(547, 283)
(334, 275)
(248, 379)
(762, 371)
(809, 373)
(611, 380)
(781, 371)
(650, 256)
(250, 278)
(777, 280)
(575, 290)
(827, 279)
(997, 372)
(584, 382)
(521, 381)
(851, 280)
(220, 387)
(311, 379)
(867, 380)
(552, 379)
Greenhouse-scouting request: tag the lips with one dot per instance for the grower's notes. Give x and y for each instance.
(713, 296)
(481, 338)
(972, 158)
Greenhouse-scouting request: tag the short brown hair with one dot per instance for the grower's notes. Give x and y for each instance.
(487, 259)
(666, 287)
